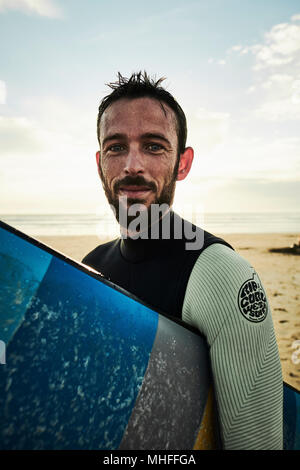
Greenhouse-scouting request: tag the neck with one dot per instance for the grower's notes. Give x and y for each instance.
(152, 241)
(159, 228)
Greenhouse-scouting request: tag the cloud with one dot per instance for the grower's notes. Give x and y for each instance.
(282, 97)
(43, 159)
(40, 7)
(253, 195)
(247, 157)
(279, 82)
(236, 48)
(251, 89)
(19, 136)
(2, 92)
(276, 72)
(215, 61)
(240, 49)
(207, 129)
(279, 110)
(281, 46)
(68, 123)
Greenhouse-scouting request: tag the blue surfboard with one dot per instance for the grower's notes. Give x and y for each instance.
(86, 365)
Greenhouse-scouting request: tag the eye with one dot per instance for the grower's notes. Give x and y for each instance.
(116, 148)
(153, 147)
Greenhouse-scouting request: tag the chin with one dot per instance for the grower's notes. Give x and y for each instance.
(131, 202)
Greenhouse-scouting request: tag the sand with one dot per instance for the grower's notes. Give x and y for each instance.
(280, 274)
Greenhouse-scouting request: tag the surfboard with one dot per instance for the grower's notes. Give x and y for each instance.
(86, 365)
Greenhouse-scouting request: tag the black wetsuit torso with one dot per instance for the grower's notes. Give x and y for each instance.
(155, 271)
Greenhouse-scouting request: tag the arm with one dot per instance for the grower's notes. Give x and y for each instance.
(243, 350)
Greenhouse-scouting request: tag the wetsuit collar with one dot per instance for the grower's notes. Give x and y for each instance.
(140, 249)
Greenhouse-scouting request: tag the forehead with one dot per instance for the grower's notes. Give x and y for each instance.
(138, 116)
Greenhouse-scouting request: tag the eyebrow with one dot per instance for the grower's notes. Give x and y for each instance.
(147, 135)
(113, 137)
(155, 135)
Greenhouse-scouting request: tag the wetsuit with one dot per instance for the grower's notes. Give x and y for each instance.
(218, 292)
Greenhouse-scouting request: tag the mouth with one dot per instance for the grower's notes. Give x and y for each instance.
(133, 191)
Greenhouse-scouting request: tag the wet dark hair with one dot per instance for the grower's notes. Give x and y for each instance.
(140, 85)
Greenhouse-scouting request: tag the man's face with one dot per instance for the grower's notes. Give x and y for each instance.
(138, 152)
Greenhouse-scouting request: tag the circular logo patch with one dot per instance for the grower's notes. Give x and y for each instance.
(252, 300)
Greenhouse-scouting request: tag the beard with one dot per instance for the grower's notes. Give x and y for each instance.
(121, 208)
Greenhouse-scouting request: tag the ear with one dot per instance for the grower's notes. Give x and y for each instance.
(98, 163)
(98, 157)
(186, 160)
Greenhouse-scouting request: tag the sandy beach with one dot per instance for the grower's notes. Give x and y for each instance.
(280, 274)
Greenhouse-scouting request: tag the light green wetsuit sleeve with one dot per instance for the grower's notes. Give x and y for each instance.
(244, 354)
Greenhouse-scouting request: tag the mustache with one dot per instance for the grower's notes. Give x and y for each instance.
(135, 181)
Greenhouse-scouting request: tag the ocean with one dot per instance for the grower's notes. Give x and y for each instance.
(105, 224)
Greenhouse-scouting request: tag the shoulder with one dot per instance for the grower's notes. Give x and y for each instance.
(218, 265)
(93, 256)
(223, 255)
(224, 288)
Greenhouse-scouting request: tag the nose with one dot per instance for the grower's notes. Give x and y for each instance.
(134, 162)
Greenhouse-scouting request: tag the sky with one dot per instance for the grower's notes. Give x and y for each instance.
(234, 66)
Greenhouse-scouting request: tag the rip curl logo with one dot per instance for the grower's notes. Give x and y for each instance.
(252, 300)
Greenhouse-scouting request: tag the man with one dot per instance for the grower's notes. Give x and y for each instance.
(142, 138)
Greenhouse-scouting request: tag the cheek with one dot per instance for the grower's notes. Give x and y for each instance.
(109, 170)
(167, 173)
